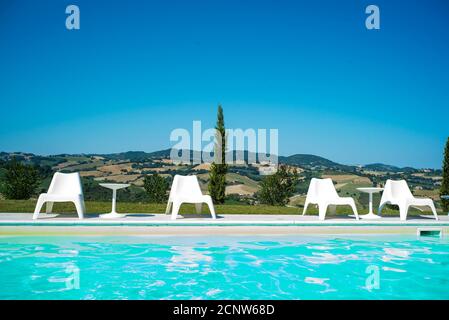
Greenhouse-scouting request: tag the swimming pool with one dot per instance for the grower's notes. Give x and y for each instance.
(233, 267)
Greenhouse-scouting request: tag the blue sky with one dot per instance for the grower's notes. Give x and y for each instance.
(136, 70)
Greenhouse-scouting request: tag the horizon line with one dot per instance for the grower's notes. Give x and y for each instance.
(190, 150)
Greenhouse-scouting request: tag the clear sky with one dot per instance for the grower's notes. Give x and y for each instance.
(136, 70)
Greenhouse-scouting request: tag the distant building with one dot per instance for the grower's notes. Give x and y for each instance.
(267, 170)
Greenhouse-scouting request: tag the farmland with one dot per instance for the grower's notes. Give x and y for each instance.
(242, 180)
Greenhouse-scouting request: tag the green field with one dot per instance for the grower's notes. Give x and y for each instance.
(233, 177)
(85, 166)
(12, 206)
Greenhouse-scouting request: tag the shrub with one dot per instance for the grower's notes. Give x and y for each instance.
(276, 189)
(156, 187)
(20, 181)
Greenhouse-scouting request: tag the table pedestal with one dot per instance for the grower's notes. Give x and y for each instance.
(113, 214)
(370, 214)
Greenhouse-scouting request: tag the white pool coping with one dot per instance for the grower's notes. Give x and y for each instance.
(225, 224)
(157, 219)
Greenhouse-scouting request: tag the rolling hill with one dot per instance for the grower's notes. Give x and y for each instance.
(307, 161)
(243, 179)
(311, 161)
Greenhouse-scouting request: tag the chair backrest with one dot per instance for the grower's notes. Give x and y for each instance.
(66, 183)
(395, 190)
(187, 186)
(321, 189)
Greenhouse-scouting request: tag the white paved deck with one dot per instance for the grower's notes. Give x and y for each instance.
(21, 224)
(222, 220)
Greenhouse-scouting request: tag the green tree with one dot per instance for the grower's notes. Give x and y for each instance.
(444, 190)
(219, 168)
(276, 189)
(156, 187)
(20, 181)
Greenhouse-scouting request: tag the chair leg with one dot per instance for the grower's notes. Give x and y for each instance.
(403, 209)
(169, 205)
(198, 207)
(211, 208)
(79, 209)
(354, 209)
(306, 204)
(381, 206)
(49, 207)
(322, 208)
(434, 210)
(175, 210)
(37, 210)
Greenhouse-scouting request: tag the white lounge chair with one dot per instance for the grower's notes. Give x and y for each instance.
(322, 193)
(398, 193)
(64, 187)
(186, 189)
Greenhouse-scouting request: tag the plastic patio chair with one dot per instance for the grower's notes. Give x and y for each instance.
(322, 193)
(64, 187)
(186, 189)
(398, 193)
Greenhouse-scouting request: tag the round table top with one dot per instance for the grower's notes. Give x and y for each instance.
(370, 189)
(114, 185)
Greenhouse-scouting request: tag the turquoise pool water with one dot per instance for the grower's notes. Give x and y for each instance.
(319, 267)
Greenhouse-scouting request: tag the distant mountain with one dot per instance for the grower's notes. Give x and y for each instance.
(312, 161)
(307, 161)
(31, 158)
(143, 156)
(387, 168)
(380, 167)
(135, 156)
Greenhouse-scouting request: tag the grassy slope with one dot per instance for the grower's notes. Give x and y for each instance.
(86, 166)
(126, 207)
(234, 177)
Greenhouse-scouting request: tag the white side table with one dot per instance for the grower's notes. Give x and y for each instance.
(370, 191)
(114, 187)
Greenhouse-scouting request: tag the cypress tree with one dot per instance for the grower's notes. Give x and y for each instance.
(444, 190)
(219, 168)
